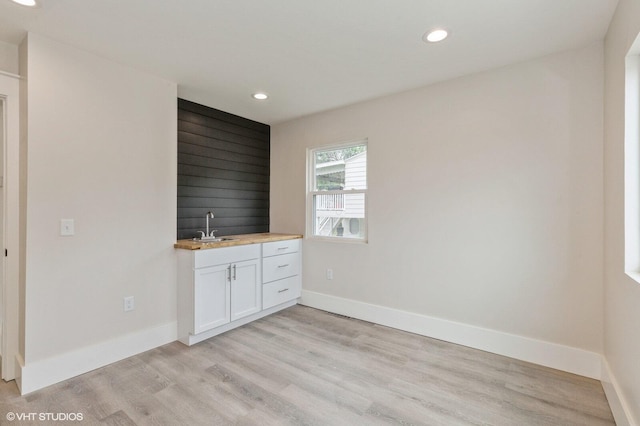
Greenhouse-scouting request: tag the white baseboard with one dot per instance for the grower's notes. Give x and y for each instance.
(619, 407)
(36, 375)
(560, 357)
(18, 367)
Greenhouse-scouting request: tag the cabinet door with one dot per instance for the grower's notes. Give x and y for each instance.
(212, 298)
(246, 289)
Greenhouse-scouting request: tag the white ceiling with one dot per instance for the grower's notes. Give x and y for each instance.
(309, 55)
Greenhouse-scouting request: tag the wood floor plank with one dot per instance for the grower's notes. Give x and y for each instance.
(149, 410)
(119, 418)
(277, 375)
(303, 366)
(261, 397)
(323, 406)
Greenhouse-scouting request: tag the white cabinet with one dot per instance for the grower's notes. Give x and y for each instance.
(281, 264)
(246, 291)
(216, 287)
(223, 288)
(280, 247)
(281, 291)
(212, 298)
(225, 293)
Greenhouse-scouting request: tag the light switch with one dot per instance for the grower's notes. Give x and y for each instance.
(67, 227)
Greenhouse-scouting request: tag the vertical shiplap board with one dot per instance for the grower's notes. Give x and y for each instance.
(223, 167)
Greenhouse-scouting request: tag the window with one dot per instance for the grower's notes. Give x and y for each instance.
(337, 196)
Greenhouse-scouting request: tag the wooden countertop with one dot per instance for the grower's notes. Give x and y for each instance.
(237, 240)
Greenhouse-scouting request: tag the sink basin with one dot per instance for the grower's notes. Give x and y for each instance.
(212, 240)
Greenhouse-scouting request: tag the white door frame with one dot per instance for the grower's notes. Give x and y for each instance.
(9, 91)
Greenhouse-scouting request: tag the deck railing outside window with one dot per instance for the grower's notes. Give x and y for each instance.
(330, 202)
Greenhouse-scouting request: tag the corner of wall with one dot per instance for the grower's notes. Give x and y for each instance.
(19, 366)
(621, 370)
(22, 190)
(619, 407)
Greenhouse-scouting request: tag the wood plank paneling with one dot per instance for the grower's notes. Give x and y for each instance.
(223, 166)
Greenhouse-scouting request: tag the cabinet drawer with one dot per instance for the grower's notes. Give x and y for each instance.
(278, 267)
(281, 291)
(280, 247)
(219, 256)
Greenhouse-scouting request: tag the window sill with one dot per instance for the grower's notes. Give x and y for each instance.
(634, 275)
(339, 240)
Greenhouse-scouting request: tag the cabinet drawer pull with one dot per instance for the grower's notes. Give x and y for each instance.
(282, 248)
(283, 266)
(282, 291)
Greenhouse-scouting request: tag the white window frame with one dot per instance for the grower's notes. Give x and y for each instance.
(311, 192)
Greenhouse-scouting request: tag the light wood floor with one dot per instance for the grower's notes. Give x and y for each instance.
(304, 366)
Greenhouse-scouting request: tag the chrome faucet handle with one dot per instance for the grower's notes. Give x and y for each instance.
(211, 233)
(201, 232)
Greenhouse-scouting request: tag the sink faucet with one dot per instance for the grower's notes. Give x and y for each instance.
(210, 234)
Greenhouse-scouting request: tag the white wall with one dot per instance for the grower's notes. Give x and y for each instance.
(10, 90)
(622, 294)
(9, 58)
(485, 199)
(101, 150)
(2, 144)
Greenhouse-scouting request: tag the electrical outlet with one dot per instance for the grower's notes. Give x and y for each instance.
(129, 304)
(329, 274)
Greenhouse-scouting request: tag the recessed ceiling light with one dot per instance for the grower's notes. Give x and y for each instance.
(29, 3)
(435, 36)
(260, 96)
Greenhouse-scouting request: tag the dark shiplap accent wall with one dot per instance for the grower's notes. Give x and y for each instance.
(223, 166)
